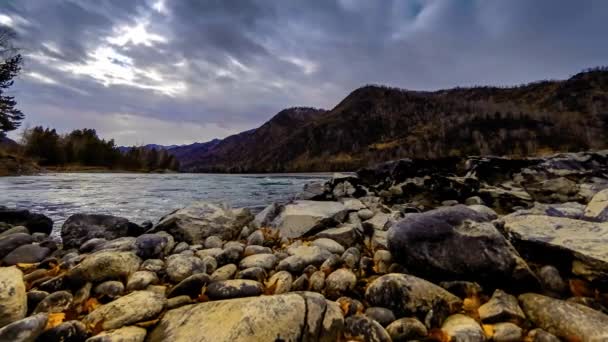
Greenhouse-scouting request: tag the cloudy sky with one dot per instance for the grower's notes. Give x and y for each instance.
(179, 71)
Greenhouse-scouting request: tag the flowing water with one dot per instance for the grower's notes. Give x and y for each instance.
(141, 197)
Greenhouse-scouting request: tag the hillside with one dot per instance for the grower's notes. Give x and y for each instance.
(376, 123)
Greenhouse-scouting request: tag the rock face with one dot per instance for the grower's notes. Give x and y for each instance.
(456, 243)
(290, 317)
(305, 218)
(561, 241)
(20, 217)
(80, 228)
(135, 307)
(13, 301)
(196, 222)
(407, 295)
(566, 320)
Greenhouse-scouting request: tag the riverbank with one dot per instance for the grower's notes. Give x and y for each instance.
(484, 249)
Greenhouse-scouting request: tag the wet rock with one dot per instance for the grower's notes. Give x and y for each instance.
(151, 246)
(563, 319)
(279, 283)
(506, 332)
(382, 261)
(407, 295)
(302, 256)
(345, 235)
(213, 241)
(140, 280)
(10, 242)
(300, 284)
(461, 328)
(230, 255)
(70, 331)
(551, 280)
(224, 273)
(251, 250)
(52, 285)
(124, 244)
(406, 329)
(502, 307)
(558, 240)
(340, 283)
(110, 289)
(80, 228)
(253, 273)
(539, 335)
(91, 245)
(265, 261)
(180, 266)
(55, 302)
(383, 316)
(317, 281)
(304, 218)
(24, 330)
(209, 263)
(196, 222)
(329, 245)
(135, 307)
(288, 317)
(180, 247)
(190, 286)
(363, 328)
(26, 254)
(14, 230)
(13, 300)
(597, 209)
(256, 238)
(234, 288)
(153, 265)
(454, 243)
(105, 265)
(32, 221)
(34, 297)
(124, 334)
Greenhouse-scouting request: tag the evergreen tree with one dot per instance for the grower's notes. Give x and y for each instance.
(10, 66)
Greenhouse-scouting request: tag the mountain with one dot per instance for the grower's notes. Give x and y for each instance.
(125, 149)
(378, 123)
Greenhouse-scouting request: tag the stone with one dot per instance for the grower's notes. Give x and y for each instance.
(563, 319)
(597, 209)
(265, 261)
(255, 249)
(382, 261)
(152, 265)
(151, 246)
(288, 317)
(329, 245)
(482, 209)
(79, 228)
(13, 300)
(558, 240)
(462, 289)
(264, 218)
(502, 307)
(406, 329)
(33, 298)
(10, 242)
(380, 221)
(213, 241)
(407, 295)
(363, 328)
(365, 214)
(196, 222)
(589, 302)
(253, 273)
(24, 330)
(551, 280)
(180, 267)
(14, 230)
(212, 252)
(455, 243)
(300, 284)
(234, 288)
(317, 281)
(176, 302)
(279, 283)
(256, 238)
(56, 302)
(109, 289)
(91, 245)
(379, 240)
(302, 256)
(32, 221)
(305, 218)
(230, 255)
(331, 264)
(383, 316)
(105, 265)
(190, 286)
(345, 235)
(26, 254)
(81, 296)
(313, 191)
(70, 331)
(224, 273)
(339, 283)
(135, 307)
(506, 332)
(209, 263)
(539, 335)
(126, 244)
(180, 247)
(124, 334)
(461, 328)
(140, 280)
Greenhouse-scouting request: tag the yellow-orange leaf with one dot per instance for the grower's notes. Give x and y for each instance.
(91, 304)
(54, 320)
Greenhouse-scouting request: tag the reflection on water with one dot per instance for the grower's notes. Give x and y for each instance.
(141, 197)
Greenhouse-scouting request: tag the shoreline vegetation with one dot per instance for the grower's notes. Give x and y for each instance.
(486, 249)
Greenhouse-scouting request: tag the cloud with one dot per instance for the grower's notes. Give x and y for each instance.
(224, 66)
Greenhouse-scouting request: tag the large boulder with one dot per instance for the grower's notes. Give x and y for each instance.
(13, 300)
(80, 228)
(11, 242)
(569, 321)
(456, 243)
(200, 220)
(28, 254)
(301, 316)
(567, 243)
(35, 223)
(25, 330)
(135, 307)
(305, 218)
(105, 265)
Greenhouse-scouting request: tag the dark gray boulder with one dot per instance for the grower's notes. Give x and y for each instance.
(28, 254)
(151, 246)
(10, 242)
(20, 217)
(80, 228)
(24, 330)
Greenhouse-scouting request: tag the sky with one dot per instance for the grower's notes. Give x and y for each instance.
(180, 71)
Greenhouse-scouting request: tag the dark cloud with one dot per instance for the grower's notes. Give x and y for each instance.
(176, 71)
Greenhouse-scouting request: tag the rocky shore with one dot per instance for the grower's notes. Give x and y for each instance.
(478, 249)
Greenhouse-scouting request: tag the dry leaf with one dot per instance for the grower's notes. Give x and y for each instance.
(488, 330)
(54, 320)
(90, 305)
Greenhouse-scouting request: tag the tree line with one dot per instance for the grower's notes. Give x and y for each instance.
(82, 147)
